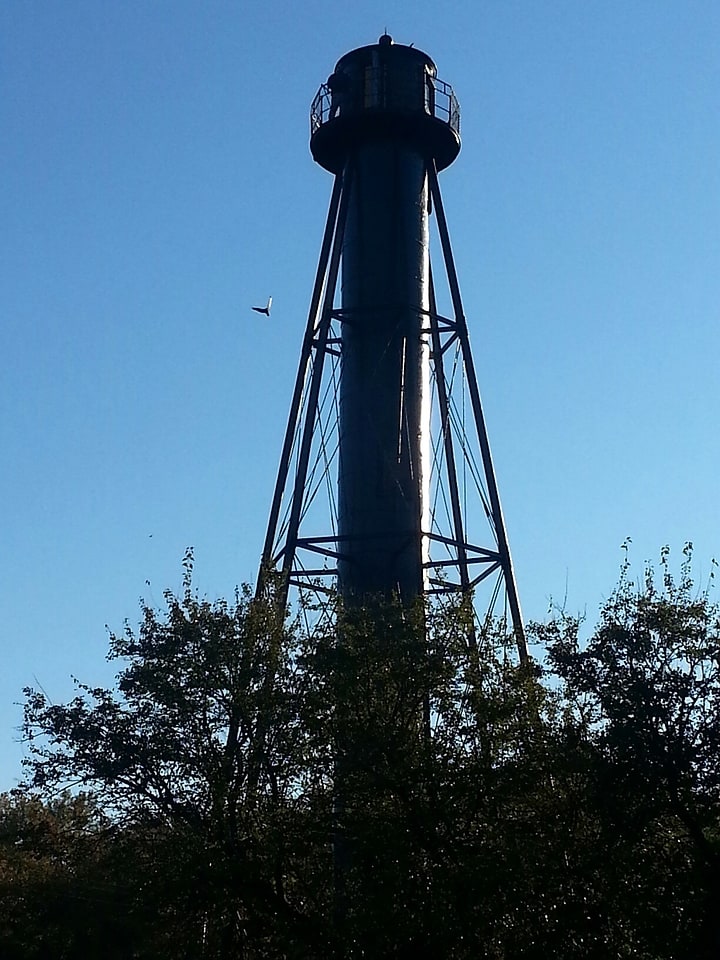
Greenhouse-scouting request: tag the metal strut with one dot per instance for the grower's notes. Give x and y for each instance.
(462, 333)
(315, 339)
(437, 360)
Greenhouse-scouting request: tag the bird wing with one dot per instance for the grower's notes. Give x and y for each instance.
(266, 309)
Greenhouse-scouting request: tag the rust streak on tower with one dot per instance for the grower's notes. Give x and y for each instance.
(389, 439)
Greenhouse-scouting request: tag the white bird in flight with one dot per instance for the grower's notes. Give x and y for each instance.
(266, 309)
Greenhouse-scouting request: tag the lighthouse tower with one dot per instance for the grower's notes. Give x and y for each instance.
(386, 485)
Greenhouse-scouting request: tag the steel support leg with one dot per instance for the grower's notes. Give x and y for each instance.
(462, 332)
(315, 339)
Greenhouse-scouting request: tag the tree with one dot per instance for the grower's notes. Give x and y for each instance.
(202, 753)
(66, 884)
(437, 743)
(390, 788)
(223, 751)
(644, 701)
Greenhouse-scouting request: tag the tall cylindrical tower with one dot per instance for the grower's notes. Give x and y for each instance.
(378, 412)
(380, 133)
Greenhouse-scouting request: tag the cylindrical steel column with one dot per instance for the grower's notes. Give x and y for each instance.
(384, 408)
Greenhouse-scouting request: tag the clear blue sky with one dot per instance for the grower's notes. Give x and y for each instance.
(155, 182)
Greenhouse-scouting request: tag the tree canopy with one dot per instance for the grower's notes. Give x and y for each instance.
(251, 789)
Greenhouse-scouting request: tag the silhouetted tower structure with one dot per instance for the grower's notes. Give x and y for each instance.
(386, 384)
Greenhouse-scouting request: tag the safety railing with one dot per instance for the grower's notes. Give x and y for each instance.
(320, 108)
(439, 101)
(447, 107)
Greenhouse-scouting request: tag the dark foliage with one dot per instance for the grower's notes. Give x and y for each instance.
(250, 791)
(644, 703)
